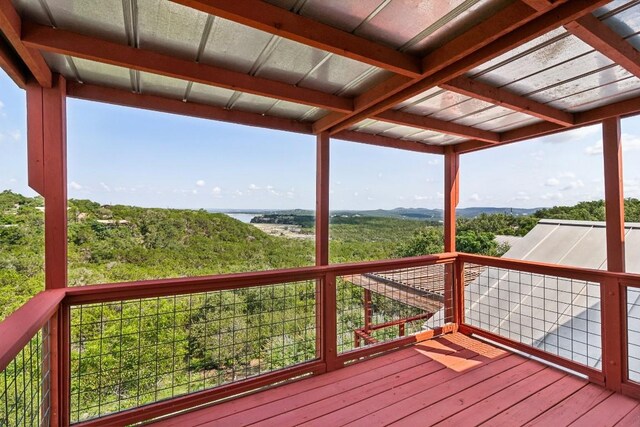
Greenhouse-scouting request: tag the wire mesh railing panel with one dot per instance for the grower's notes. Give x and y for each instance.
(558, 315)
(127, 354)
(633, 333)
(382, 306)
(24, 385)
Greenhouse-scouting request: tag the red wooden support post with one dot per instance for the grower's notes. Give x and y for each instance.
(451, 198)
(329, 342)
(47, 157)
(367, 310)
(613, 346)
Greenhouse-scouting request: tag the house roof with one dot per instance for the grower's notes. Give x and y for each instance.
(426, 73)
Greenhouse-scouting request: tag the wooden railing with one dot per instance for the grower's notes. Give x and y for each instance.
(316, 302)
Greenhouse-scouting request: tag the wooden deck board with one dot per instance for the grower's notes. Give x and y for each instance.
(450, 380)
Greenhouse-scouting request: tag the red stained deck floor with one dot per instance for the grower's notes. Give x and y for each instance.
(453, 380)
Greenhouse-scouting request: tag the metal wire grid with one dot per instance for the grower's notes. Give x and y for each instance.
(633, 333)
(24, 385)
(383, 306)
(127, 354)
(560, 316)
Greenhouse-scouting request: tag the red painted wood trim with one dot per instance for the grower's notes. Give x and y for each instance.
(613, 335)
(613, 190)
(514, 25)
(64, 366)
(278, 21)
(329, 323)
(35, 138)
(175, 106)
(592, 31)
(54, 125)
(631, 389)
(54, 369)
(95, 49)
(459, 286)
(383, 141)
(192, 400)
(165, 287)
(11, 27)
(626, 108)
(576, 273)
(12, 65)
(429, 123)
(18, 329)
(594, 375)
(451, 197)
(322, 198)
(499, 96)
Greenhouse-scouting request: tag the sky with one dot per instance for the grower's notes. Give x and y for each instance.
(129, 156)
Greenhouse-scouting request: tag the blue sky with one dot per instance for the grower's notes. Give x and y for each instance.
(122, 155)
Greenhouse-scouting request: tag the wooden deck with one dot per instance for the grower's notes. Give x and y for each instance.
(453, 380)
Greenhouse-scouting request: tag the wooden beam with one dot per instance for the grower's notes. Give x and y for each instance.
(11, 27)
(95, 49)
(12, 65)
(429, 123)
(322, 198)
(514, 25)
(628, 107)
(280, 22)
(175, 106)
(613, 189)
(383, 141)
(47, 134)
(505, 98)
(603, 39)
(451, 197)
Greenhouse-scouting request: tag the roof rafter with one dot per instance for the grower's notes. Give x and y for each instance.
(11, 27)
(592, 31)
(174, 106)
(505, 98)
(512, 26)
(12, 65)
(275, 20)
(429, 123)
(585, 118)
(383, 141)
(95, 49)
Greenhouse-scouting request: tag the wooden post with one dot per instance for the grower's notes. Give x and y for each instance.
(451, 199)
(367, 310)
(322, 199)
(612, 299)
(47, 161)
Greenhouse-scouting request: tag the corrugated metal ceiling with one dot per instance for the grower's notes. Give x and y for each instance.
(556, 69)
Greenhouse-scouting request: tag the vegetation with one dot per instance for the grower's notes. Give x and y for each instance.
(190, 342)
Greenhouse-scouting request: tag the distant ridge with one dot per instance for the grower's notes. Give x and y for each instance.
(407, 213)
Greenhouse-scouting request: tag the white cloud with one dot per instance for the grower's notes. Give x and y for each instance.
(75, 185)
(629, 143)
(419, 197)
(1, 105)
(566, 175)
(551, 196)
(433, 162)
(105, 187)
(355, 194)
(194, 191)
(290, 194)
(552, 182)
(253, 187)
(537, 155)
(439, 195)
(573, 185)
(216, 191)
(15, 135)
(200, 183)
(475, 197)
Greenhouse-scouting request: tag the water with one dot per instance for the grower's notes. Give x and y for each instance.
(246, 218)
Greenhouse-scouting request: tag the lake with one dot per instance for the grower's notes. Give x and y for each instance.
(246, 218)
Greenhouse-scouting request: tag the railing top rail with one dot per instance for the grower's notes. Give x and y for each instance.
(165, 287)
(18, 329)
(577, 273)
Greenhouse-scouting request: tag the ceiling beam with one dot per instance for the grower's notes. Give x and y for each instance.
(518, 23)
(12, 65)
(505, 98)
(628, 107)
(11, 27)
(126, 98)
(175, 106)
(429, 123)
(383, 141)
(598, 35)
(95, 49)
(280, 22)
